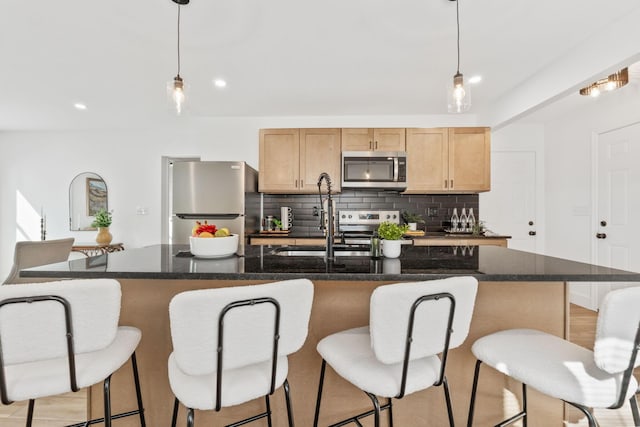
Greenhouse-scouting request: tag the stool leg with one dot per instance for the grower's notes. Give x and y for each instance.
(266, 398)
(322, 369)
(390, 412)
(190, 417)
(592, 421)
(634, 410)
(287, 397)
(376, 408)
(174, 418)
(447, 397)
(524, 404)
(474, 389)
(30, 412)
(107, 401)
(136, 379)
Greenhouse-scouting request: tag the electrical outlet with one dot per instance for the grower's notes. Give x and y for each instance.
(431, 212)
(315, 211)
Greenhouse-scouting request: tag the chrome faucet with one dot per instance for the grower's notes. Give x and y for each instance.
(329, 214)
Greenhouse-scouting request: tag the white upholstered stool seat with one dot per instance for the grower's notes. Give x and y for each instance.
(551, 365)
(602, 378)
(62, 336)
(230, 345)
(32, 380)
(349, 353)
(404, 349)
(239, 385)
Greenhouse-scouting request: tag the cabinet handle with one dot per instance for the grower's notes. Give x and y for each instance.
(376, 147)
(532, 233)
(301, 183)
(601, 235)
(370, 145)
(296, 185)
(445, 183)
(451, 184)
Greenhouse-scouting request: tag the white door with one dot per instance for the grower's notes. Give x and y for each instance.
(510, 207)
(618, 203)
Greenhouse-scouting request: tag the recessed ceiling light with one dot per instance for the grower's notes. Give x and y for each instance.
(80, 106)
(220, 83)
(475, 79)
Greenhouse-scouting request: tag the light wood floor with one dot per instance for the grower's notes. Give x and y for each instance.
(70, 408)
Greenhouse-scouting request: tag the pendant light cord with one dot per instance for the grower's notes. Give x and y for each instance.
(179, 41)
(458, 37)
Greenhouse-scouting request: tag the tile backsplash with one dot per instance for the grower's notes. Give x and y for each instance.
(436, 209)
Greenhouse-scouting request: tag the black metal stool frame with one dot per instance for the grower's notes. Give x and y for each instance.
(442, 380)
(72, 368)
(274, 368)
(626, 378)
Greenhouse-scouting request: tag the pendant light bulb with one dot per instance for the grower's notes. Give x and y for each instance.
(176, 89)
(458, 97)
(178, 93)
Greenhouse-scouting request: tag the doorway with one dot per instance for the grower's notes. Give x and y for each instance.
(617, 202)
(510, 208)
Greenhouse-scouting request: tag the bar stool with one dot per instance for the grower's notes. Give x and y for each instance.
(585, 379)
(230, 345)
(397, 354)
(62, 336)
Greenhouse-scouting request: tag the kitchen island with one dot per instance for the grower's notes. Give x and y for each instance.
(517, 289)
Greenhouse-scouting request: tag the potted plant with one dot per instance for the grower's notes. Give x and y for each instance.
(102, 221)
(412, 219)
(391, 235)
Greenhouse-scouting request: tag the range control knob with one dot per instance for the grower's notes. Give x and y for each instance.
(350, 216)
(343, 216)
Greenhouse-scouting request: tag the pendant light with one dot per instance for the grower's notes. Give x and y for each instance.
(458, 97)
(177, 87)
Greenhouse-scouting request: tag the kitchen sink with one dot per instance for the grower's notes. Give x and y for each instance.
(318, 251)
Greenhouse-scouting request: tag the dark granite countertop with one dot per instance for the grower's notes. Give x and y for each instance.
(427, 235)
(486, 263)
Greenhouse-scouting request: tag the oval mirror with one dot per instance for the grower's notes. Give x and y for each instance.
(87, 195)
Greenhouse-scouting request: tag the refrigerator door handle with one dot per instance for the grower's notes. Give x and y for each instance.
(207, 216)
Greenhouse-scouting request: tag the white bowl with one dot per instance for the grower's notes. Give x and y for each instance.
(214, 247)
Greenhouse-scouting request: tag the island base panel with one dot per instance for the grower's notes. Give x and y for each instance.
(338, 306)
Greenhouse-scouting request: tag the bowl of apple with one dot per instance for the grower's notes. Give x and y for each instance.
(208, 241)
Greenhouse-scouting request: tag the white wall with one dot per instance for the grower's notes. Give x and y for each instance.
(569, 170)
(37, 168)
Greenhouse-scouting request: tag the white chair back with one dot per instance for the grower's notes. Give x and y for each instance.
(389, 317)
(248, 330)
(616, 330)
(36, 331)
(29, 254)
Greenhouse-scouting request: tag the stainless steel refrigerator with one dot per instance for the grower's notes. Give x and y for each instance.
(222, 193)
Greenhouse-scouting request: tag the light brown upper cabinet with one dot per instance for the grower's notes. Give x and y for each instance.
(292, 159)
(374, 139)
(448, 160)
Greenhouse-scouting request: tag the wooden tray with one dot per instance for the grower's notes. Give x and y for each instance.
(414, 233)
(278, 232)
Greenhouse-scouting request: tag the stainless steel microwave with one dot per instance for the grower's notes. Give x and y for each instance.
(386, 170)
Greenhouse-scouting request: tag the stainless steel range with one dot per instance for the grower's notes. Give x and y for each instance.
(357, 227)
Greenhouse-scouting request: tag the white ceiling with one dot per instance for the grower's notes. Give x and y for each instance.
(286, 57)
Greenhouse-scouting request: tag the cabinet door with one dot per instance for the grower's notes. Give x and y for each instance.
(279, 161)
(357, 139)
(469, 159)
(427, 161)
(389, 139)
(319, 152)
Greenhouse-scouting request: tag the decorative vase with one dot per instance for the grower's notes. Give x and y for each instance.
(391, 248)
(103, 237)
